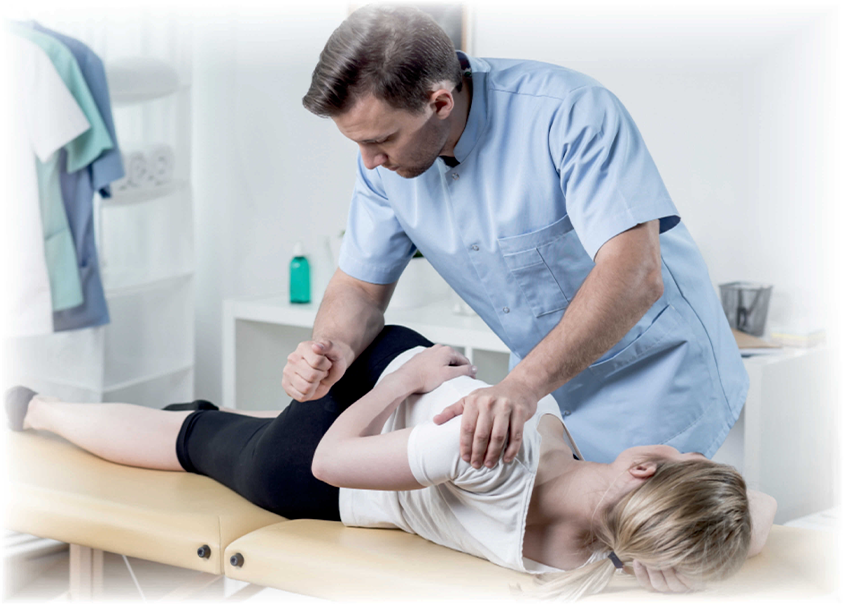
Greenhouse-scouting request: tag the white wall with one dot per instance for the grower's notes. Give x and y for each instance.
(267, 172)
(734, 103)
(730, 100)
(794, 210)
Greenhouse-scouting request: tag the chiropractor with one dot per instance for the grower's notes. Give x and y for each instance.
(529, 188)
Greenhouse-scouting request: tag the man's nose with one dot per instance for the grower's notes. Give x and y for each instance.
(372, 159)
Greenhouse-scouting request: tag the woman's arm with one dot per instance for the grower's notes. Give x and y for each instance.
(354, 454)
(762, 510)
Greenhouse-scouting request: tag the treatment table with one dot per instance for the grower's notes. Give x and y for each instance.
(58, 491)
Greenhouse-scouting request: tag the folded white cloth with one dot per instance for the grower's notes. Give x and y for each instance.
(137, 169)
(147, 166)
(161, 161)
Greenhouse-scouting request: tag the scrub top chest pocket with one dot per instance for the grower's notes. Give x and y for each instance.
(549, 265)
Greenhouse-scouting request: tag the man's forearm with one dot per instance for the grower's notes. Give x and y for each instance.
(351, 315)
(612, 299)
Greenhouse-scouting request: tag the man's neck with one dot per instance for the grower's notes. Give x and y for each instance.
(459, 117)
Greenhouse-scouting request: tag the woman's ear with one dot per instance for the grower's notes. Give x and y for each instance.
(643, 470)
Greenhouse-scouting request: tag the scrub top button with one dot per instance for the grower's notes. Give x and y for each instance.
(506, 309)
(566, 412)
(475, 247)
(455, 176)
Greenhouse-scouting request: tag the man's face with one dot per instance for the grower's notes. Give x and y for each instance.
(406, 143)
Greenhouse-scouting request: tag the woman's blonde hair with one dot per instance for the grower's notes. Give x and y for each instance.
(692, 516)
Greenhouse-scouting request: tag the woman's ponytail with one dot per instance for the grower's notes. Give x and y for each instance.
(590, 578)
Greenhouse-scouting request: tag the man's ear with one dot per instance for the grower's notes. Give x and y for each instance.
(442, 102)
(643, 470)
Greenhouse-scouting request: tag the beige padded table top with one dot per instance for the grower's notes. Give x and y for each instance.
(59, 491)
(327, 560)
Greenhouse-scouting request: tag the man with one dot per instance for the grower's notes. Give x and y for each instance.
(529, 188)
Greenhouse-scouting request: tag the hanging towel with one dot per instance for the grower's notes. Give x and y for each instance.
(42, 117)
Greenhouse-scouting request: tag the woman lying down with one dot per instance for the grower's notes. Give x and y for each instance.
(370, 455)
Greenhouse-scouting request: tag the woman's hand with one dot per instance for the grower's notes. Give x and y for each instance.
(763, 508)
(438, 364)
(665, 581)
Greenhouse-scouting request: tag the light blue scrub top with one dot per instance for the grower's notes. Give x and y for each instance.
(551, 167)
(78, 193)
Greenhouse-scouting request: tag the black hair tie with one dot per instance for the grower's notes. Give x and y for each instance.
(619, 565)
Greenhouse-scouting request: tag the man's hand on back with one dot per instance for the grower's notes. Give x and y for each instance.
(490, 416)
(313, 368)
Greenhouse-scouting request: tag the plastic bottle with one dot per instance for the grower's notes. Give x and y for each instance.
(300, 277)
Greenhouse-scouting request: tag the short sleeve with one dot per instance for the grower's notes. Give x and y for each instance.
(434, 452)
(607, 175)
(375, 247)
(53, 118)
(108, 167)
(84, 149)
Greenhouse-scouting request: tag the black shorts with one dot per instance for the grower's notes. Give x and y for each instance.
(268, 460)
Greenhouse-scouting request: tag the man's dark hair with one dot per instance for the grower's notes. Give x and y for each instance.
(396, 53)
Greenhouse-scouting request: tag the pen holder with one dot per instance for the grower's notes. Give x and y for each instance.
(746, 305)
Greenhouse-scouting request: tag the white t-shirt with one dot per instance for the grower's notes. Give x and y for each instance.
(481, 512)
(41, 116)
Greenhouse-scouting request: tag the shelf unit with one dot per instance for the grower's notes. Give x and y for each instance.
(141, 195)
(145, 355)
(146, 243)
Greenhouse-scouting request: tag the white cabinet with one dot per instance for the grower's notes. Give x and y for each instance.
(258, 334)
(784, 443)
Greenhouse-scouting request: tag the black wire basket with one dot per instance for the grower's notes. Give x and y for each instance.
(746, 305)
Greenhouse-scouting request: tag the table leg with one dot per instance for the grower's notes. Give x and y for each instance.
(86, 573)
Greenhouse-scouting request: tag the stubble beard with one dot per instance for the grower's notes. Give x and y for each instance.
(432, 142)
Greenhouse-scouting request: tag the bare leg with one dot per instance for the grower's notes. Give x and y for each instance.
(127, 434)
